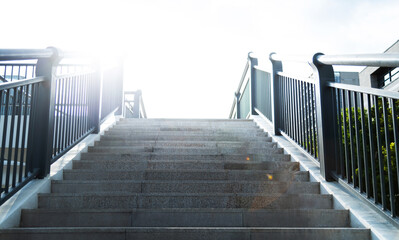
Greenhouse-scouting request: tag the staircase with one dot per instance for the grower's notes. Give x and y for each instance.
(185, 179)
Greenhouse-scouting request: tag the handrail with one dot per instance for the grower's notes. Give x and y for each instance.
(371, 60)
(25, 54)
(31, 54)
(8, 85)
(243, 77)
(371, 91)
(233, 106)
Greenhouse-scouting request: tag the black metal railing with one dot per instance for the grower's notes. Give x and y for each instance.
(15, 170)
(253, 90)
(351, 131)
(133, 105)
(297, 111)
(74, 104)
(45, 113)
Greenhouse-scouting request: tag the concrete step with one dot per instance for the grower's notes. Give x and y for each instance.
(272, 187)
(186, 164)
(192, 233)
(170, 175)
(182, 144)
(272, 149)
(145, 137)
(140, 128)
(186, 122)
(187, 134)
(116, 200)
(159, 156)
(236, 132)
(226, 217)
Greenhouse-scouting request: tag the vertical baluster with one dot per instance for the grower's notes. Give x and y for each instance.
(336, 134)
(300, 117)
(372, 150)
(294, 127)
(358, 162)
(295, 91)
(290, 111)
(73, 113)
(351, 136)
(11, 138)
(24, 127)
(286, 104)
(303, 121)
(63, 115)
(394, 105)
(310, 114)
(85, 104)
(12, 73)
(341, 164)
(17, 142)
(380, 157)
(365, 155)
(389, 164)
(308, 119)
(78, 97)
(90, 100)
(314, 124)
(57, 116)
(68, 112)
(5, 72)
(347, 163)
(29, 128)
(4, 93)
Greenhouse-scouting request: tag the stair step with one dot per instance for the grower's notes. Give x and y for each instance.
(192, 233)
(184, 200)
(145, 137)
(161, 156)
(272, 149)
(187, 122)
(186, 164)
(65, 186)
(182, 144)
(185, 218)
(186, 130)
(188, 146)
(242, 175)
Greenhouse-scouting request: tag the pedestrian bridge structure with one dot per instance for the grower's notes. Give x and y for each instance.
(298, 158)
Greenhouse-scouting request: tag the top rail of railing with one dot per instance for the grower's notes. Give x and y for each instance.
(29, 54)
(370, 60)
(25, 54)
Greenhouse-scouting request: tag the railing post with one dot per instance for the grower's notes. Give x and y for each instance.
(97, 97)
(42, 126)
(136, 106)
(277, 66)
(238, 111)
(252, 63)
(326, 124)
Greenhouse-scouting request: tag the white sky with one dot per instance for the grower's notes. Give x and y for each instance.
(188, 56)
